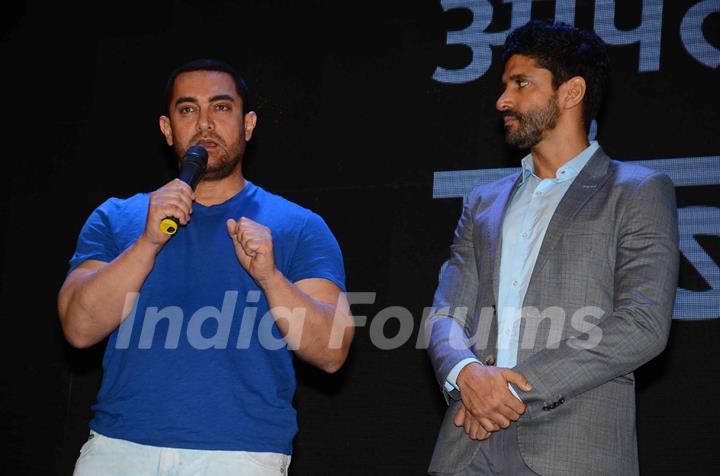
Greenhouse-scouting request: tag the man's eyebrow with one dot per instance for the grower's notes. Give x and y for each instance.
(185, 99)
(516, 77)
(219, 97)
(222, 97)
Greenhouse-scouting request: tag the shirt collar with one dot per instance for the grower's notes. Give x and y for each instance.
(568, 171)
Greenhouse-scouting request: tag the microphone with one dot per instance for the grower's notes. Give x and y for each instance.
(193, 168)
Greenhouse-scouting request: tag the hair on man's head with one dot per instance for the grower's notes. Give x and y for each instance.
(208, 65)
(566, 51)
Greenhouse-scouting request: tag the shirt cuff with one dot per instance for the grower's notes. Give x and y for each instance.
(515, 393)
(451, 380)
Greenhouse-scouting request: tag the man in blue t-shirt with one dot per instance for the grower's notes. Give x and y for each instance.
(198, 375)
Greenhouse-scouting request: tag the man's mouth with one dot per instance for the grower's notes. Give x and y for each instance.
(509, 120)
(207, 144)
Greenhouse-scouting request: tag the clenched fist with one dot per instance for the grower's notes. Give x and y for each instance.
(486, 396)
(253, 247)
(173, 199)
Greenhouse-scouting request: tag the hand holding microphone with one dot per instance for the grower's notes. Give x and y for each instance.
(193, 167)
(171, 205)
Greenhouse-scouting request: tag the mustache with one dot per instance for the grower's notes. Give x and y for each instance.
(520, 117)
(211, 137)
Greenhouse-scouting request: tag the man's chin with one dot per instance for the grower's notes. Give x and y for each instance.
(214, 173)
(217, 174)
(521, 143)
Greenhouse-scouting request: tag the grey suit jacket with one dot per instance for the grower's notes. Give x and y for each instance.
(598, 306)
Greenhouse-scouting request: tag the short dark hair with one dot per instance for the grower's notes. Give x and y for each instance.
(566, 51)
(208, 65)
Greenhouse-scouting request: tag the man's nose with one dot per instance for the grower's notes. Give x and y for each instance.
(504, 102)
(205, 122)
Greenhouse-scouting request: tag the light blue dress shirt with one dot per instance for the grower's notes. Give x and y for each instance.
(523, 230)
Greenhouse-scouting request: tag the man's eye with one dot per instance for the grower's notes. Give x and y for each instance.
(522, 83)
(186, 109)
(222, 107)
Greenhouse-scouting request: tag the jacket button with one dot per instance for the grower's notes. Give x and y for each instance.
(561, 401)
(490, 360)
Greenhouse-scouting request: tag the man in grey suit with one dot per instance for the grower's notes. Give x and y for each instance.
(560, 282)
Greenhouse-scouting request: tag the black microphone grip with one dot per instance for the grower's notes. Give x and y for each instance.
(193, 167)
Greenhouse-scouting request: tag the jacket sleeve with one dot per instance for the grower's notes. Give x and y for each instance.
(637, 329)
(448, 324)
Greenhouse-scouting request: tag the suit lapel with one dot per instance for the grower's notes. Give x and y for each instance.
(589, 181)
(493, 237)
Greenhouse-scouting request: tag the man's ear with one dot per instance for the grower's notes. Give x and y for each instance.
(166, 129)
(250, 123)
(573, 92)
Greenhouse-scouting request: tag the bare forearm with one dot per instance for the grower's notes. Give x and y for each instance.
(91, 303)
(319, 332)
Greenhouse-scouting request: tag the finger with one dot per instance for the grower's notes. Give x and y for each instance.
(181, 190)
(502, 421)
(483, 435)
(514, 408)
(249, 225)
(253, 230)
(459, 419)
(255, 239)
(468, 426)
(251, 233)
(475, 430)
(170, 210)
(252, 246)
(499, 417)
(231, 227)
(517, 379)
(509, 412)
(245, 221)
(488, 425)
(179, 183)
(174, 200)
(185, 199)
(243, 234)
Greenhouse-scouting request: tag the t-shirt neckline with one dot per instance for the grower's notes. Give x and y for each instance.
(218, 207)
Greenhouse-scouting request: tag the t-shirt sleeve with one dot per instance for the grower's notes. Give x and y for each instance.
(96, 240)
(317, 254)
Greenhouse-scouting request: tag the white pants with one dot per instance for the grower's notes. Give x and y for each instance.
(104, 456)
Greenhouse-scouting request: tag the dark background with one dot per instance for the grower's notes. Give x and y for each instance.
(351, 125)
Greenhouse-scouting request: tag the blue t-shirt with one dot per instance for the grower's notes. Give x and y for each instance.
(199, 363)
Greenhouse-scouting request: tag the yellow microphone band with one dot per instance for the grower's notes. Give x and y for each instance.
(168, 226)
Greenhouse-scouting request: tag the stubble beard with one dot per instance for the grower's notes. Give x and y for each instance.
(226, 166)
(229, 160)
(532, 125)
